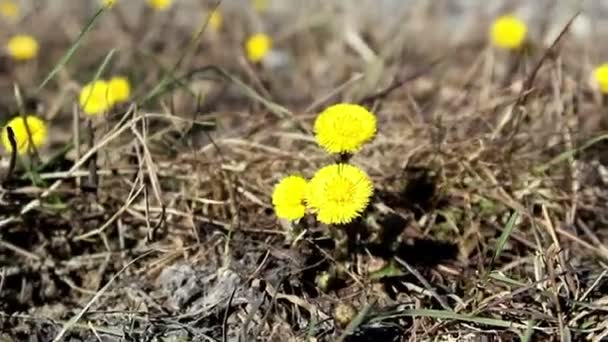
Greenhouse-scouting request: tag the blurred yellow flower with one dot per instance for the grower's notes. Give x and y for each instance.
(288, 198)
(9, 9)
(257, 47)
(95, 98)
(261, 6)
(35, 126)
(160, 5)
(108, 3)
(22, 47)
(344, 128)
(215, 20)
(508, 32)
(120, 89)
(339, 193)
(600, 74)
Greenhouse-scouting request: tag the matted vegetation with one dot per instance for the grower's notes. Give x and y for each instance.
(151, 218)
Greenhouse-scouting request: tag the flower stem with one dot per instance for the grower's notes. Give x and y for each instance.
(344, 157)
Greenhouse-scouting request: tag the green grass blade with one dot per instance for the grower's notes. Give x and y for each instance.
(527, 337)
(448, 315)
(569, 153)
(68, 55)
(504, 237)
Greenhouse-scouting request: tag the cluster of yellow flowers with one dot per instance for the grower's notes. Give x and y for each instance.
(99, 96)
(95, 98)
(510, 33)
(340, 192)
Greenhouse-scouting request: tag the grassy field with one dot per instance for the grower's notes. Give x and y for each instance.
(154, 221)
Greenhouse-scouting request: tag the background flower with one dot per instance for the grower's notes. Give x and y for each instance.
(288, 198)
(600, 74)
(95, 98)
(120, 89)
(215, 20)
(339, 193)
(22, 47)
(344, 128)
(257, 47)
(37, 129)
(9, 9)
(108, 3)
(508, 32)
(159, 5)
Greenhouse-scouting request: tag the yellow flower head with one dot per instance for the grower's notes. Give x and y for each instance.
(35, 126)
(339, 193)
(288, 198)
(600, 74)
(9, 9)
(257, 47)
(108, 3)
(508, 32)
(160, 5)
(344, 128)
(22, 47)
(95, 98)
(215, 20)
(120, 89)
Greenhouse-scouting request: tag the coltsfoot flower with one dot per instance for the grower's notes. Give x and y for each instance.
(36, 127)
(508, 32)
(22, 47)
(95, 98)
(120, 89)
(344, 128)
(257, 47)
(288, 198)
(600, 76)
(159, 5)
(9, 9)
(339, 193)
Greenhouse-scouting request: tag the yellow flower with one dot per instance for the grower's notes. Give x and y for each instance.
(108, 3)
(344, 128)
(95, 98)
(288, 198)
(261, 6)
(35, 126)
(9, 9)
(339, 193)
(508, 32)
(22, 47)
(160, 5)
(215, 20)
(600, 74)
(120, 89)
(257, 47)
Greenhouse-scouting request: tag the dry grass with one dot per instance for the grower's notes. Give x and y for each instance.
(488, 221)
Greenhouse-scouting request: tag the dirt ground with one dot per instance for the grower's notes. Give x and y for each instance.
(489, 216)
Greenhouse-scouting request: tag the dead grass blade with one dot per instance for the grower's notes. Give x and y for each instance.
(69, 324)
